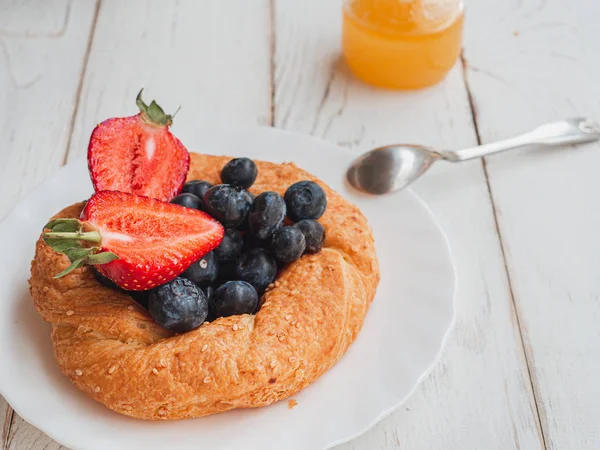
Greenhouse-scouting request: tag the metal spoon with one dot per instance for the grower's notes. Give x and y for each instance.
(393, 167)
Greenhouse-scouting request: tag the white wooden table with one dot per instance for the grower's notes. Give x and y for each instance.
(521, 369)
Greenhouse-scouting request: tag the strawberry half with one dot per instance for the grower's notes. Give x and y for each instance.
(138, 154)
(137, 242)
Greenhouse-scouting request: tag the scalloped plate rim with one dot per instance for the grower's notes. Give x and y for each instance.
(369, 423)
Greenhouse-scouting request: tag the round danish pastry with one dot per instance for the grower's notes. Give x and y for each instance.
(111, 349)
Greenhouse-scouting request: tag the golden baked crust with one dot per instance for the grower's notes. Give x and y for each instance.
(112, 350)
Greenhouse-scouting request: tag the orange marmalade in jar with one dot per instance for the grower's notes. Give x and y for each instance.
(402, 44)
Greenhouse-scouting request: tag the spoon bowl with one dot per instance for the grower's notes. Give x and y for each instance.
(390, 168)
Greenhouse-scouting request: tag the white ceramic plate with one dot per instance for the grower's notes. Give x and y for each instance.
(402, 336)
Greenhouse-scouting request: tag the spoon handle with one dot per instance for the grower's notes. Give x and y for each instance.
(568, 131)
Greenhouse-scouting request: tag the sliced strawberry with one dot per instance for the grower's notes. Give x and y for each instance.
(138, 154)
(138, 242)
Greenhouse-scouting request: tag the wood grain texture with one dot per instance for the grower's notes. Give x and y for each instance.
(183, 52)
(42, 49)
(23, 436)
(6, 416)
(212, 58)
(479, 395)
(528, 63)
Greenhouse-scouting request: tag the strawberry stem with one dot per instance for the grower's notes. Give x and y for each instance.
(66, 236)
(90, 236)
(153, 113)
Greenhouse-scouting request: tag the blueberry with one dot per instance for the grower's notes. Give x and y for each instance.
(233, 298)
(288, 244)
(203, 272)
(178, 305)
(228, 204)
(244, 226)
(240, 172)
(187, 200)
(266, 214)
(314, 234)
(196, 187)
(230, 247)
(305, 200)
(256, 267)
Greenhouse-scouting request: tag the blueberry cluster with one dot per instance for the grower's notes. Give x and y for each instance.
(257, 242)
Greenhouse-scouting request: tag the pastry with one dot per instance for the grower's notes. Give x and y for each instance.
(274, 327)
(111, 349)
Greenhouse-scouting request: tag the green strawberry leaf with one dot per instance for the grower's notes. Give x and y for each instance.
(61, 245)
(64, 225)
(67, 236)
(153, 113)
(75, 254)
(74, 265)
(101, 258)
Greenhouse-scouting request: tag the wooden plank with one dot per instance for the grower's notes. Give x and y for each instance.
(479, 394)
(6, 416)
(42, 50)
(531, 62)
(182, 53)
(24, 436)
(186, 53)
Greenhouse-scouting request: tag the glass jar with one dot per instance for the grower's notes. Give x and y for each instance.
(402, 44)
